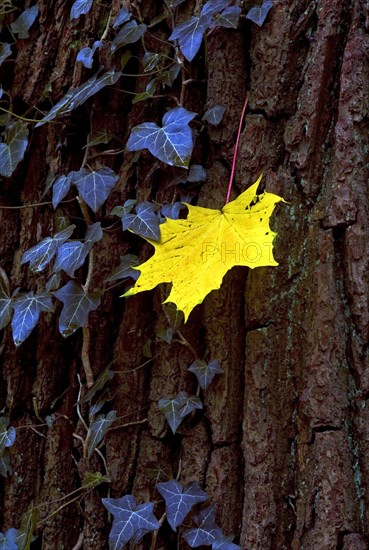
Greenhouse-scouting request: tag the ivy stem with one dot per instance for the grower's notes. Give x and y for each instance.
(236, 151)
(19, 116)
(85, 358)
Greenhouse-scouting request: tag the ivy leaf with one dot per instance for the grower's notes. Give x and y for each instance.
(80, 7)
(172, 143)
(7, 434)
(179, 500)
(229, 17)
(168, 77)
(5, 51)
(259, 14)
(130, 33)
(175, 3)
(27, 528)
(27, 309)
(86, 55)
(71, 256)
(8, 540)
(214, 115)
(150, 61)
(129, 518)
(124, 269)
(95, 186)
(121, 18)
(171, 211)
(98, 138)
(61, 188)
(224, 543)
(76, 96)
(149, 92)
(213, 7)
(144, 223)
(103, 378)
(192, 402)
(171, 408)
(42, 253)
(12, 151)
(53, 283)
(24, 22)
(196, 173)
(94, 233)
(206, 532)
(98, 429)
(5, 305)
(76, 307)
(205, 372)
(177, 408)
(189, 35)
(195, 254)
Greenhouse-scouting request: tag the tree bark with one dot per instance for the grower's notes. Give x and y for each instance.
(283, 441)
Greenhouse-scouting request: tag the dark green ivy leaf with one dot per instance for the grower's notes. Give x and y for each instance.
(95, 186)
(150, 61)
(5, 305)
(229, 18)
(103, 378)
(24, 22)
(205, 372)
(7, 434)
(189, 34)
(86, 55)
(196, 173)
(61, 187)
(179, 500)
(5, 51)
(76, 307)
(172, 143)
(53, 283)
(129, 519)
(144, 223)
(12, 151)
(259, 14)
(130, 33)
(206, 532)
(149, 92)
(214, 115)
(71, 256)
(80, 7)
(122, 17)
(8, 540)
(171, 211)
(124, 269)
(42, 253)
(98, 429)
(26, 529)
(76, 96)
(177, 408)
(27, 309)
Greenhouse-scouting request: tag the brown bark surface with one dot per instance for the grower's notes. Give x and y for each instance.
(283, 444)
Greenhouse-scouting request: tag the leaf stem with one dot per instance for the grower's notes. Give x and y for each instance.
(19, 116)
(236, 151)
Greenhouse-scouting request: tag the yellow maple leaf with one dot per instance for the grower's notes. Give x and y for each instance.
(194, 254)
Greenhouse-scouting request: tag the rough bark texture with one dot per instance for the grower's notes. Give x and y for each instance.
(283, 444)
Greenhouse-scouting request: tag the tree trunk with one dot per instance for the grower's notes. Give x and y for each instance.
(282, 444)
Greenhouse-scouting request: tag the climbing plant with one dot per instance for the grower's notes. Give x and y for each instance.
(190, 242)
